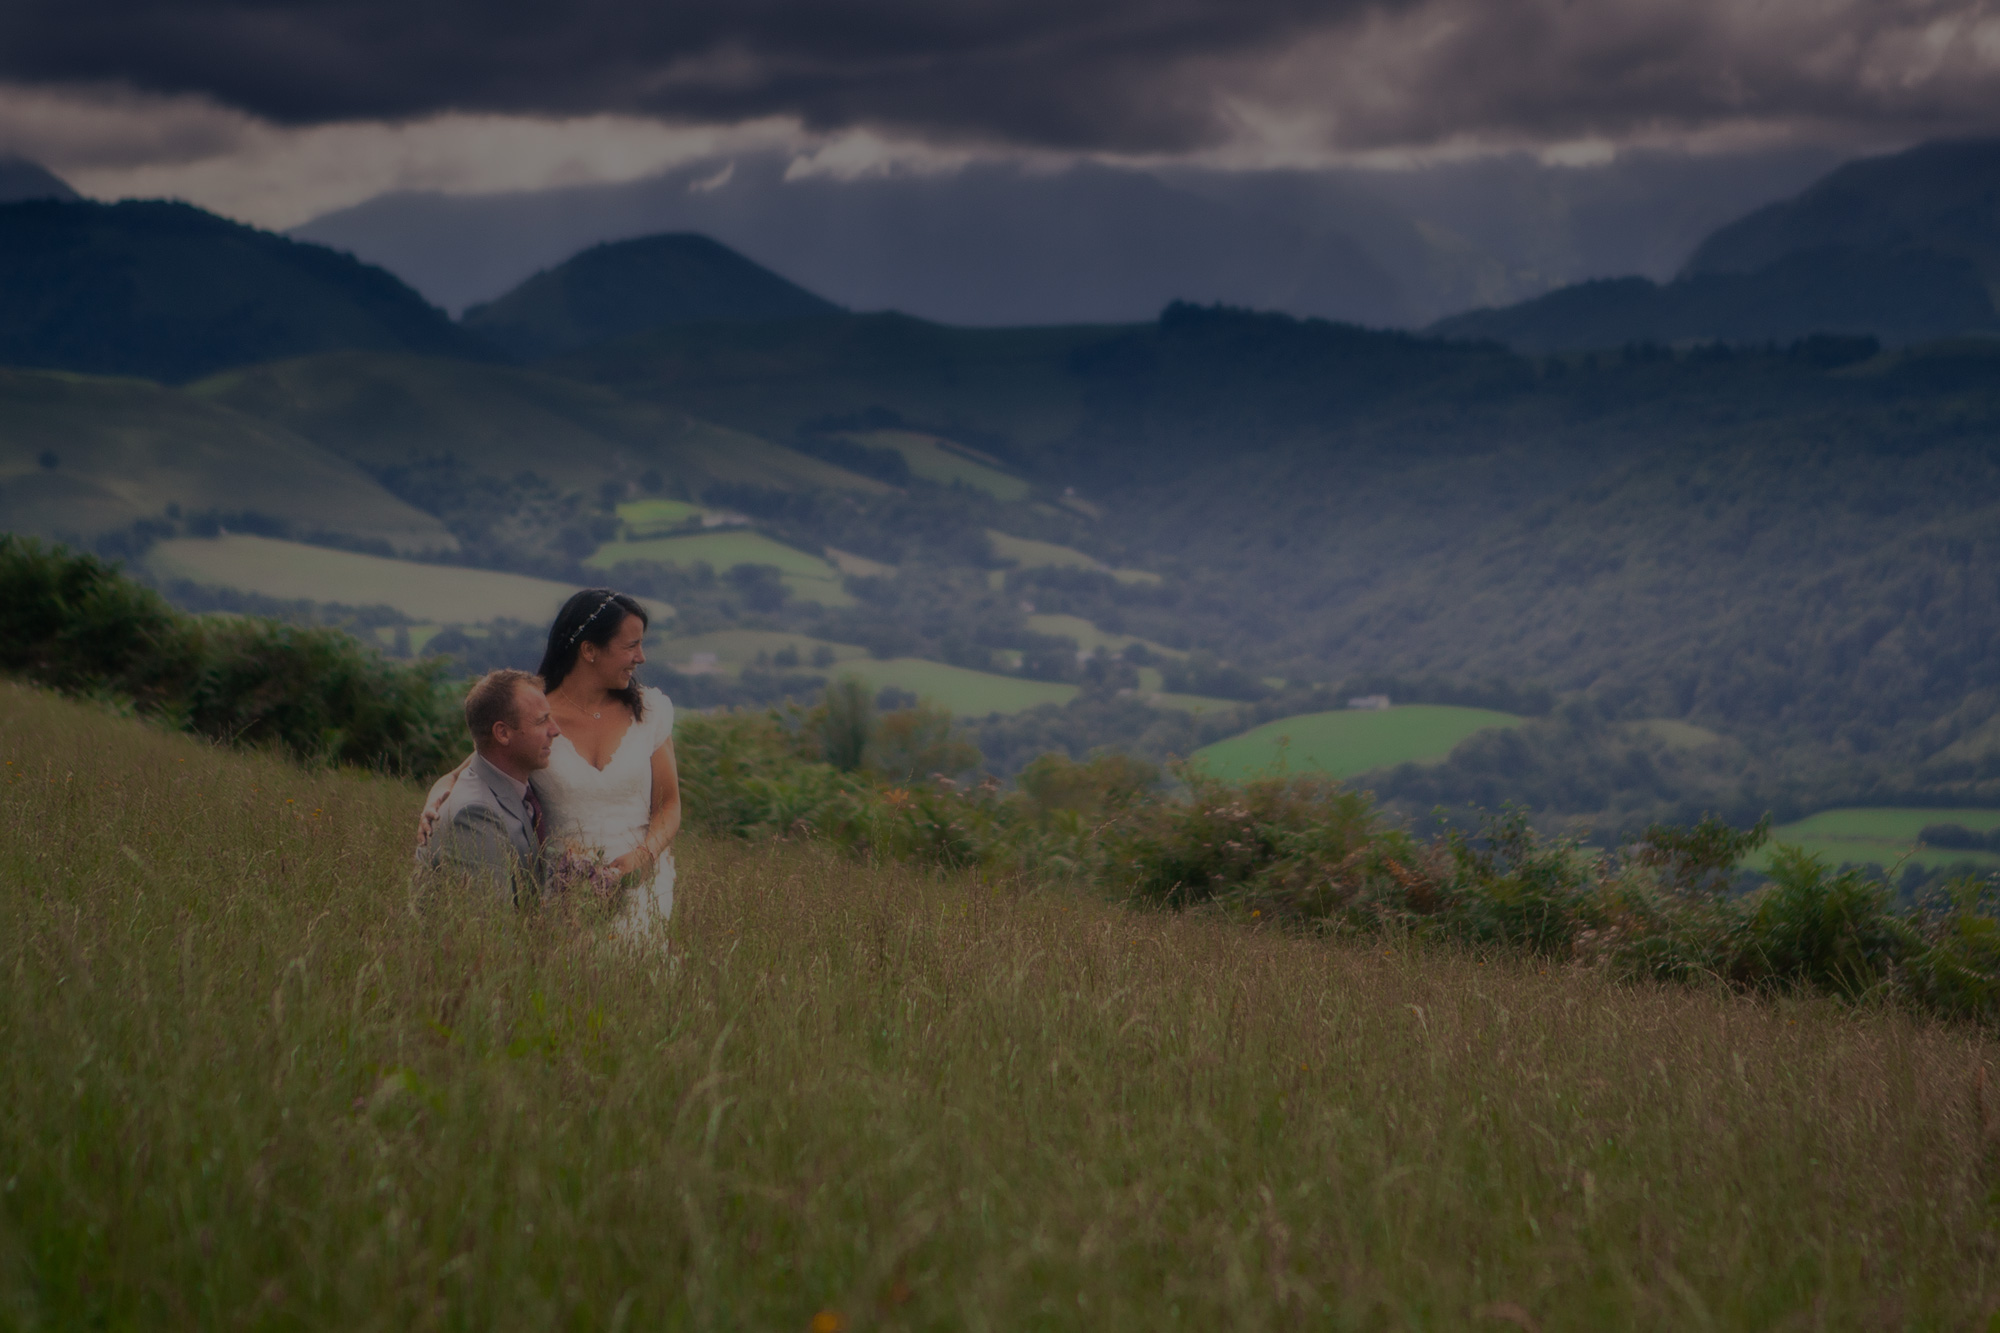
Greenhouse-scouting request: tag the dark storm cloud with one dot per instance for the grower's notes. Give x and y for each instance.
(1117, 75)
(1072, 73)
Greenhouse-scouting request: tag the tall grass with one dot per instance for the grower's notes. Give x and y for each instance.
(246, 1084)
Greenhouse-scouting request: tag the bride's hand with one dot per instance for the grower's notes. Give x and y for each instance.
(639, 861)
(434, 804)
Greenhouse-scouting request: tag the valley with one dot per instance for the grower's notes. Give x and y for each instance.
(1728, 577)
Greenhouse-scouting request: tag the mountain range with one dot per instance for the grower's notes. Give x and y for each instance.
(1783, 541)
(997, 244)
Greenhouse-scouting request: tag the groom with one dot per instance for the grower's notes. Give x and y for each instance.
(491, 829)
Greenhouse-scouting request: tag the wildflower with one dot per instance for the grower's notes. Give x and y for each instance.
(828, 1321)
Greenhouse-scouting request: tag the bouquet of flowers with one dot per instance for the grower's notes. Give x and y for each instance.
(576, 870)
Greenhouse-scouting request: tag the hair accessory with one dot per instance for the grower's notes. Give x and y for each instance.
(591, 619)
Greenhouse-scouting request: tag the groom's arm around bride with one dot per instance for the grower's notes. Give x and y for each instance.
(490, 832)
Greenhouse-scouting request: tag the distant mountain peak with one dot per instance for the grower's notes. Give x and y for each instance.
(1942, 196)
(1903, 247)
(21, 179)
(619, 288)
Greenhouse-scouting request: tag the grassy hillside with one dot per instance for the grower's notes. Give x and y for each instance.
(626, 287)
(865, 1096)
(82, 456)
(169, 292)
(1347, 742)
(386, 412)
(438, 594)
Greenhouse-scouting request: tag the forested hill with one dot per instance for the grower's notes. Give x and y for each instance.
(630, 286)
(1798, 545)
(169, 292)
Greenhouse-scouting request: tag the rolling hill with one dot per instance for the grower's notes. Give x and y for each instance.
(627, 287)
(83, 457)
(168, 292)
(387, 411)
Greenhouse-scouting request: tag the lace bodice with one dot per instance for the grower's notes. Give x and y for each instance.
(606, 811)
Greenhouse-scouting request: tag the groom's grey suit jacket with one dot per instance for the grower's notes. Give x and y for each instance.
(486, 835)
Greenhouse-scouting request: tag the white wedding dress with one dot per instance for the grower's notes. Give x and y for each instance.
(605, 812)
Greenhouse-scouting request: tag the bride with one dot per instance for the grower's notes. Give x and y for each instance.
(611, 793)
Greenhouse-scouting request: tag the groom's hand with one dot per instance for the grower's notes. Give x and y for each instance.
(434, 804)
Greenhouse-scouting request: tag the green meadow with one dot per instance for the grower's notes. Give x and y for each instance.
(1345, 742)
(251, 1081)
(946, 462)
(655, 518)
(1884, 836)
(807, 576)
(961, 690)
(440, 594)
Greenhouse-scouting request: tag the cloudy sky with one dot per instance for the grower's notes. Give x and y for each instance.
(277, 110)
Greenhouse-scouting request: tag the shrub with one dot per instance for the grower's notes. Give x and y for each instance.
(1301, 846)
(1514, 889)
(1956, 970)
(1816, 928)
(77, 625)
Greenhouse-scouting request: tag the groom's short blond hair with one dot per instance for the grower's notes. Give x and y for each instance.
(494, 697)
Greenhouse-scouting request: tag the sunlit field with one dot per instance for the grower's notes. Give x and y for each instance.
(1347, 741)
(1886, 836)
(249, 1083)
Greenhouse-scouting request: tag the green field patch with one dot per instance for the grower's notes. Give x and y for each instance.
(965, 692)
(733, 649)
(1090, 638)
(934, 458)
(654, 518)
(1027, 553)
(1344, 742)
(1031, 554)
(1881, 835)
(807, 577)
(441, 594)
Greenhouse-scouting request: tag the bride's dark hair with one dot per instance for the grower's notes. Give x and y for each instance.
(592, 616)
